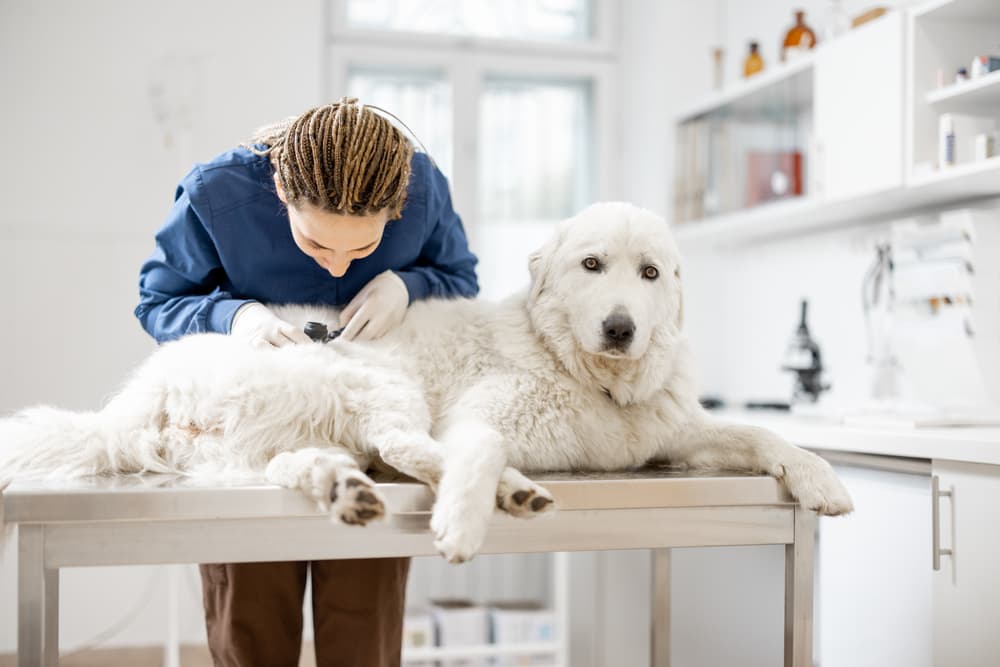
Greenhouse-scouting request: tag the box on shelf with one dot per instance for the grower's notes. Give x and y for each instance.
(515, 622)
(461, 623)
(418, 632)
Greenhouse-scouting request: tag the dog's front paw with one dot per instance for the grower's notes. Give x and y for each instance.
(812, 482)
(355, 500)
(519, 496)
(457, 538)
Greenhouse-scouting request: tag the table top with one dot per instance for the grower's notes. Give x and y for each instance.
(154, 497)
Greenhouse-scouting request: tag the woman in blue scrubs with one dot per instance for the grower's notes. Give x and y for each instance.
(332, 207)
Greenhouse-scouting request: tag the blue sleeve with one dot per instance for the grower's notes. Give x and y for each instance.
(180, 284)
(446, 267)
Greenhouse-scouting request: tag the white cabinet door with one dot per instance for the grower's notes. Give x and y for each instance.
(873, 579)
(858, 113)
(967, 587)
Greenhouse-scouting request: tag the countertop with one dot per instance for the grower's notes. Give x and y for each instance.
(972, 444)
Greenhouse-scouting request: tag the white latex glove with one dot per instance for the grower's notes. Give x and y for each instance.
(256, 323)
(377, 308)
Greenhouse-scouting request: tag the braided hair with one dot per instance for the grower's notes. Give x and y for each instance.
(342, 158)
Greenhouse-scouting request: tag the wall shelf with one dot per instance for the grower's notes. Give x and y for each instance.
(787, 84)
(978, 95)
(965, 183)
(862, 170)
(479, 651)
(966, 10)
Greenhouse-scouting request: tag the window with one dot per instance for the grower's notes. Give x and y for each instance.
(420, 99)
(562, 20)
(512, 98)
(534, 140)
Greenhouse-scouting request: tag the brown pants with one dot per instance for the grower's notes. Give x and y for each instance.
(253, 612)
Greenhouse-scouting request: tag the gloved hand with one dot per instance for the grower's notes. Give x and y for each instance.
(377, 308)
(256, 323)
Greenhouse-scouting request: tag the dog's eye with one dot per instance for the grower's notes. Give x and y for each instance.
(592, 264)
(650, 273)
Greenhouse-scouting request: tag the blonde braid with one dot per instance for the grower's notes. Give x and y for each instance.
(342, 157)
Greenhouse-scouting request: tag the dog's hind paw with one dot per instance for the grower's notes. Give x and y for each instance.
(355, 500)
(519, 496)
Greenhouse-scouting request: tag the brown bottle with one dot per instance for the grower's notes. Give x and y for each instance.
(754, 63)
(799, 39)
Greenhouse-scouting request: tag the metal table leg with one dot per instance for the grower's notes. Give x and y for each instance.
(38, 605)
(660, 646)
(799, 591)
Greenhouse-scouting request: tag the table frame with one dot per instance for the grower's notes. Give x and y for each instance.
(157, 519)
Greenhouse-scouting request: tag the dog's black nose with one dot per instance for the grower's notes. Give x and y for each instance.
(618, 329)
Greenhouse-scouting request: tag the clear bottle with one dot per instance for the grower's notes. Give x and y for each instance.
(799, 39)
(753, 63)
(717, 67)
(837, 21)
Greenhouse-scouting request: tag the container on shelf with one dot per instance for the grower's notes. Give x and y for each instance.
(754, 63)
(522, 622)
(461, 623)
(418, 632)
(799, 39)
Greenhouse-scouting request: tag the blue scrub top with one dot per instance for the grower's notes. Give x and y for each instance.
(227, 241)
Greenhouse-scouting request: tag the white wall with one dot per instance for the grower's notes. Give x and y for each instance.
(87, 178)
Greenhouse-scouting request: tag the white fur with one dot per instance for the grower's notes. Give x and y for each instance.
(461, 395)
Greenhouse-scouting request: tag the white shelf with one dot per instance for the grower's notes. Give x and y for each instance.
(480, 651)
(786, 85)
(974, 178)
(964, 183)
(959, 10)
(975, 96)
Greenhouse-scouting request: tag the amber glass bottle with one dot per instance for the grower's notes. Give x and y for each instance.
(754, 63)
(799, 39)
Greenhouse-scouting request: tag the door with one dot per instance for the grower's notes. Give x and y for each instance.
(873, 578)
(967, 585)
(858, 143)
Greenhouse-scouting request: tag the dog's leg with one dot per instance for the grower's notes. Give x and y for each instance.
(422, 457)
(718, 445)
(411, 452)
(330, 476)
(519, 496)
(466, 499)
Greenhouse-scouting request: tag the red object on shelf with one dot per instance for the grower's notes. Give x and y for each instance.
(773, 175)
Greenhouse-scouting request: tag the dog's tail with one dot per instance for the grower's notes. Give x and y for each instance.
(48, 442)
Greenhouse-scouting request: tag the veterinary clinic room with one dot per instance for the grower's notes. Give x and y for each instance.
(482, 333)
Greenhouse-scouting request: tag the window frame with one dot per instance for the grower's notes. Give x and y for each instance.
(467, 62)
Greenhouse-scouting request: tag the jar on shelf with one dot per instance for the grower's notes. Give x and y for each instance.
(753, 63)
(799, 39)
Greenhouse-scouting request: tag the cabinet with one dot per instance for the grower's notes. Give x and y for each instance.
(858, 111)
(879, 600)
(966, 598)
(873, 578)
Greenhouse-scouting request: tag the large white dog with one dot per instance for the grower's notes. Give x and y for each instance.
(588, 370)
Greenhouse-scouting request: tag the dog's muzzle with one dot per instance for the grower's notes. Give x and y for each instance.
(619, 330)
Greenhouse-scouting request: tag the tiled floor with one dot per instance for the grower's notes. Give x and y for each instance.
(191, 656)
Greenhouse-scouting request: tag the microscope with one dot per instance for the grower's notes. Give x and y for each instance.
(802, 357)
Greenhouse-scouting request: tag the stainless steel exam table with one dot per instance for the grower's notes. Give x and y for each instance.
(160, 519)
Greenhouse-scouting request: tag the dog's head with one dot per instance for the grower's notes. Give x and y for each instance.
(606, 290)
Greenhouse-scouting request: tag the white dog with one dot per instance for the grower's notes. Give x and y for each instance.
(588, 370)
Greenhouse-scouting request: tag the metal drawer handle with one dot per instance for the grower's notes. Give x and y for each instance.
(936, 550)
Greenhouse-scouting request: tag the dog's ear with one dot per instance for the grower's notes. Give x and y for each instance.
(540, 263)
(679, 320)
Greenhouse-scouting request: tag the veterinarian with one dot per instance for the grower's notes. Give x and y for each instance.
(333, 207)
